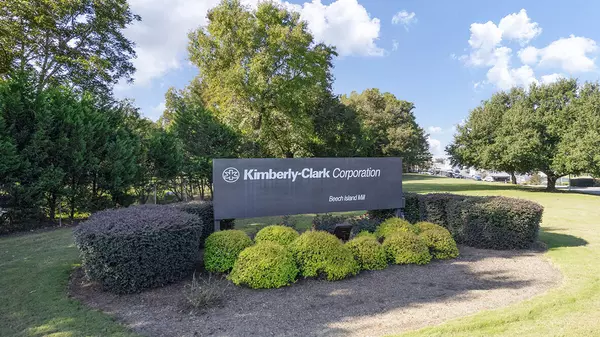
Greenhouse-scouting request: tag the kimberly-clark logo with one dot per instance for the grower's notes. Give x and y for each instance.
(231, 175)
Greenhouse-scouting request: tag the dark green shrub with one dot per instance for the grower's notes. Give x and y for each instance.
(280, 234)
(319, 252)
(434, 207)
(366, 234)
(381, 214)
(368, 252)
(264, 265)
(204, 210)
(439, 241)
(405, 247)
(413, 209)
(393, 225)
(326, 222)
(222, 248)
(130, 249)
(495, 222)
(363, 224)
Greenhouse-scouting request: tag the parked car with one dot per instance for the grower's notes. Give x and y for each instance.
(489, 179)
(476, 177)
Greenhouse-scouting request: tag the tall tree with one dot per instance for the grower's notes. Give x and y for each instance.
(389, 127)
(262, 73)
(79, 42)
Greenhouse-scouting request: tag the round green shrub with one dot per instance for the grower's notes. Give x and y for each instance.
(440, 242)
(130, 249)
(321, 253)
(222, 248)
(393, 225)
(362, 234)
(404, 247)
(264, 265)
(423, 226)
(368, 252)
(276, 233)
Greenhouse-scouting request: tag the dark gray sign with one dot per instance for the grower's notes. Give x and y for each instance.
(246, 188)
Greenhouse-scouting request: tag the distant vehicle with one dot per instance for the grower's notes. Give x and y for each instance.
(476, 177)
(489, 179)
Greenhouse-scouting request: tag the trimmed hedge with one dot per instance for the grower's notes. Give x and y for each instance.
(366, 234)
(264, 265)
(439, 241)
(204, 210)
(368, 253)
(363, 223)
(321, 253)
(393, 225)
(222, 248)
(129, 249)
(404, 247)
(434, 208)
(277, 233)
(495, 222)
(413, 210)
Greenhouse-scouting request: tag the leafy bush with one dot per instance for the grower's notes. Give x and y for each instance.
(404, 247)
(381, 214)
(203, 293)
(413, 210)
(434, 207)
(439, 241)
(368, 252)
(264, 265)
(495, 222)
(326, 222)
(204, 210)
(319, 252)
(423, 226)
(222, 248)
(363, 224)
(130, 249)
(280, 234)
(393, 225)
(366, 234)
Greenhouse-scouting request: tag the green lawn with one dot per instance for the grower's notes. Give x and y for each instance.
(34, 271)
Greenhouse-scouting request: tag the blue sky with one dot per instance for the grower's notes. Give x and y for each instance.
(445, 56)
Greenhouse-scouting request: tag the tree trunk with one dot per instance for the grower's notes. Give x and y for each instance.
(551, 186)
(513, 178)
(52, 206)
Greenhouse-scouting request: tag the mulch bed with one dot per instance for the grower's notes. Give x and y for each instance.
(397, 299)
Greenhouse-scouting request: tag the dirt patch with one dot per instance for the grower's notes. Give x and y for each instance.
(393, 300)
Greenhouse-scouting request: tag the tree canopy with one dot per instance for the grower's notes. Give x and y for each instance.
(550, 128)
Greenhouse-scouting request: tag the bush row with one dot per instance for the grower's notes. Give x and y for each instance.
(281, 254)
(481, 222)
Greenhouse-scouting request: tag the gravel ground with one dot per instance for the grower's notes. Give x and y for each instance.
(393, 300)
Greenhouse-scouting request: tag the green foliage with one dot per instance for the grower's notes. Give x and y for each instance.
(264, 72)
(434, 208)
(495, 222)
(405, 247)
(366, 234)
(368, 252)
(327, 222)
(393, 225)
(424, 226)
(389, 127)
(130, 249)
(204, 210)
(67, 42)
(413, 210)
(319, 252)
(221, 249)
(264, 265)
(282, 235)
(439, 240)
(362, 224)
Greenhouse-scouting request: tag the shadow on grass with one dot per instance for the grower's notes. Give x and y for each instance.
(557, 240)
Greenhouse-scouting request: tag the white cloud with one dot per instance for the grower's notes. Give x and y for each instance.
(157, 111)
(528, 55)
(434, 129)
(484, 39)
(435, 147)
(161, 36)
(404, 18)
(547, 79)
(518, 26)
(395, 45)
(570, 54)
